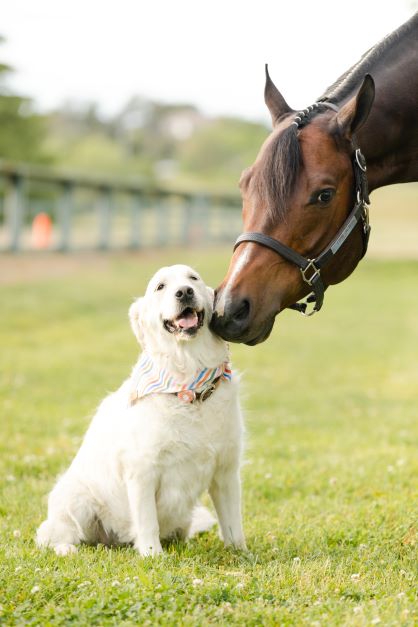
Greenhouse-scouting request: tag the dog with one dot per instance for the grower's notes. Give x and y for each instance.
(173, 430)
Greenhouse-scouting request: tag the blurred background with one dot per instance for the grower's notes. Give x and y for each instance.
(126, 125)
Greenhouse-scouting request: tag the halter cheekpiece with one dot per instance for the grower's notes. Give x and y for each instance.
(310, 268)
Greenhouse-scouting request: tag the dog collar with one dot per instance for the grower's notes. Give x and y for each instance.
(147, 378)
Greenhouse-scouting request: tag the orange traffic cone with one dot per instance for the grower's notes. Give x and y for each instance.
(41, 231)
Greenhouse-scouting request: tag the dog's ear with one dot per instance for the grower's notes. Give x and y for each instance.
(135, 311)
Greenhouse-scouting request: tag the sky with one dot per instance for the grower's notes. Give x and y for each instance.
(210, 54)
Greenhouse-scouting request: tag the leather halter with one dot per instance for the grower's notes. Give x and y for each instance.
(310, 268)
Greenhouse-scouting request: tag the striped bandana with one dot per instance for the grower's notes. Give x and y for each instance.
(147, 379)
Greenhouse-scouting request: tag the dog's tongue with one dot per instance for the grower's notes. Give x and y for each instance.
(187, 321)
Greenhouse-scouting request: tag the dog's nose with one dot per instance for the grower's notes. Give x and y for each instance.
(184, 292)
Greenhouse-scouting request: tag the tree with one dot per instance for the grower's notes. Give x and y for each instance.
(21, 130)
(215, 155)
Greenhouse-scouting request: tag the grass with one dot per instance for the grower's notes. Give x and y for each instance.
(331, 465)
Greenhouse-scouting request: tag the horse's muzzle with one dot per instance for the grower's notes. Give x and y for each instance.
(234, 323)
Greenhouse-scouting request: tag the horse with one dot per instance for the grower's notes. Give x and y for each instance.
(305, 198)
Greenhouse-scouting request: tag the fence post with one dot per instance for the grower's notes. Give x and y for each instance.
(204, 219)
(65, 206)
(162, 222)
(135, 235)
(105, 209)
(13, 209)
(187, 220)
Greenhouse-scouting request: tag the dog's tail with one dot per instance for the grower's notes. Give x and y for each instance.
(202, 520)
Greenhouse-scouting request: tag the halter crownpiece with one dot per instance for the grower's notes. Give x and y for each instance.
(310, 269)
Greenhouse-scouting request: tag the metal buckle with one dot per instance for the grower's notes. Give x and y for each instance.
(207, 392)
(360, 160)
(311, 266)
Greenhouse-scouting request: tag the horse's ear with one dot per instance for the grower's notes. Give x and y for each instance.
(355, 112)
(275, 102)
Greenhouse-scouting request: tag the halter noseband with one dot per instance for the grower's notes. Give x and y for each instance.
(310, 269)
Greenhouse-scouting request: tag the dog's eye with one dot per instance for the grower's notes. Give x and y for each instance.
(194, 278)
(160, 286)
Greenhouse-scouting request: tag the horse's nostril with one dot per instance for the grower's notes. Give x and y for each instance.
(233, 322)
(190, 291)
(179, 293)
(243, 311)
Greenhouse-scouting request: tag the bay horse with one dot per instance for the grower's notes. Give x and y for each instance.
(305, 199)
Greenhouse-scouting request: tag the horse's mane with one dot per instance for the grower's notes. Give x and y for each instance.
(352, 78)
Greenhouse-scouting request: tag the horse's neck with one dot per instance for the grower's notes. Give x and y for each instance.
(389, 138)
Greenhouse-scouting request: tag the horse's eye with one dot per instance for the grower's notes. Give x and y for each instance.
(325, 196)
(159, 287)
(194, 278)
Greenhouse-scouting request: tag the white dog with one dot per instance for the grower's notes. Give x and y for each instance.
(170, 432)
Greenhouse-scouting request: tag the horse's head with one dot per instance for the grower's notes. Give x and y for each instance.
(299, 191)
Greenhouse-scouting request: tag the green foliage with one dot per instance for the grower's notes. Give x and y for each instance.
(22, 132)
(94, 150)
(219, 150)
(174, 144)
(329, 482)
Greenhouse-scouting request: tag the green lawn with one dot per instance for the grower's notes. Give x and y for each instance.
(329, 483)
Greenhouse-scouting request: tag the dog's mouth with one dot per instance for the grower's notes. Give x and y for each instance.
(188, 322)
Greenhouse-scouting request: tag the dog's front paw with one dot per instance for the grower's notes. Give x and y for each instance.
(64, 549)
(238, 544)
(149, 549)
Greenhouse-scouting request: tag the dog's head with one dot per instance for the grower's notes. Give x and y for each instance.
(177, 305)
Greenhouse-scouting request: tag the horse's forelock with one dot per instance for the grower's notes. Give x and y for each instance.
(276, 175)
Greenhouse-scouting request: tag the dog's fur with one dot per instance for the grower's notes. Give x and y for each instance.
(142, 468)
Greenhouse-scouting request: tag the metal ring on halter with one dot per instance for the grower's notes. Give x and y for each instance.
(305, 311)
(361, 162)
